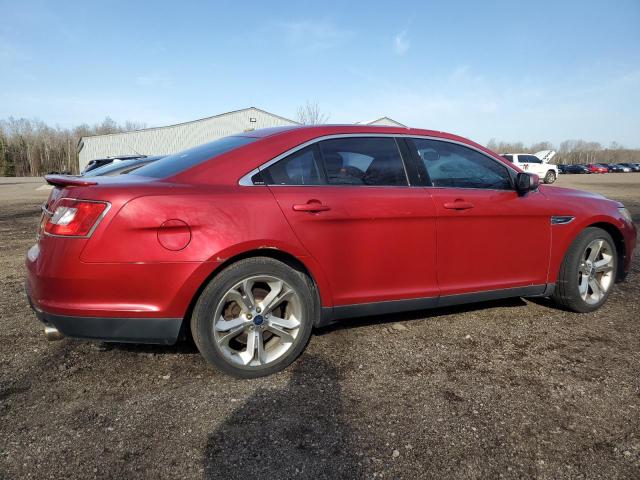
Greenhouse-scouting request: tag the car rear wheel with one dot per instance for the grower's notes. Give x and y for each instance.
(255, 317)
(588, 271)
(550, 177)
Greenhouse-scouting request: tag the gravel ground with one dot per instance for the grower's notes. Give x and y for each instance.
(509, 389)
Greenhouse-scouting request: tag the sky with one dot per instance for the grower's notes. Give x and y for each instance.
(509, 70)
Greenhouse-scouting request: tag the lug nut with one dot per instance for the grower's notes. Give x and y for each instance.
(258, 309)
(249, 316)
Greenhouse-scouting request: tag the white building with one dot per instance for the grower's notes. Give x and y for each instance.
(174, 138)
(385, 121)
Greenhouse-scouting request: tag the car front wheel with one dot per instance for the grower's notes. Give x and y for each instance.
(550, 177)
(255, 317)
(588, 271)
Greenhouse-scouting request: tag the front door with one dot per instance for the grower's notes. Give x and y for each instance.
(489, 236)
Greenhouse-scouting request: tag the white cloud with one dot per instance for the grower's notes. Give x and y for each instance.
(460, 72)
(312, 35)
(401, 43)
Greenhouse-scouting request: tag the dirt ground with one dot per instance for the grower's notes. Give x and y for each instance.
(509, 389)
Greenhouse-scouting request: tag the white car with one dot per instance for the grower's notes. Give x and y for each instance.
(537, 163)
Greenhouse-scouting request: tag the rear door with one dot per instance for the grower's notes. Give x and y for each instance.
(349, 201)
(489, 236)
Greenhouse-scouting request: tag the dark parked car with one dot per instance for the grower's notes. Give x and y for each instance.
(615, 168)
(100, 162)
(120, 167)
(576, 169)
(635, 167)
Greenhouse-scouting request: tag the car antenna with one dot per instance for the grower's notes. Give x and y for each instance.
(135, 151)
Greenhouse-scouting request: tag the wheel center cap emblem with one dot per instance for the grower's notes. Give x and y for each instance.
(258, 320)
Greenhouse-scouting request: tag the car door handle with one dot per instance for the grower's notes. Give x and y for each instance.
(458, 205)
(312, 206)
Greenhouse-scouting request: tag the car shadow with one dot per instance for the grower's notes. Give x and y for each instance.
(547, 302)
(186, 346)
(348, 323)
(181, 347)
(295, 431)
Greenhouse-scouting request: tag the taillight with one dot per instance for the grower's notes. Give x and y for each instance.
(75, 218)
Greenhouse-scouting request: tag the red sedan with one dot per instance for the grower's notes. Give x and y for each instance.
(595, 168)
(249, 242)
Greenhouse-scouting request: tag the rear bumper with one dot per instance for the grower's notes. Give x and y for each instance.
(116, 302)
(164, 331)
(60, 283)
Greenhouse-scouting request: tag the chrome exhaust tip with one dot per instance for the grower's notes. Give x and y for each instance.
(52, 333)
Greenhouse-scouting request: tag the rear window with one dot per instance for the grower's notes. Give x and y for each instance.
(181, 161)
(116, 165)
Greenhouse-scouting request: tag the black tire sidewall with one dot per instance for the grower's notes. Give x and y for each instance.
(567, 293)
(202, 318)
(551, 174)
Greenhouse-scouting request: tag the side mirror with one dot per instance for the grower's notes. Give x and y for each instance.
(526, 182)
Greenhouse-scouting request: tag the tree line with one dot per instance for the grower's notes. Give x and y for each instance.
(33, 148)
(573, 151)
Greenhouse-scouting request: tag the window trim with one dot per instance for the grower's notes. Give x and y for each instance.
(409, 163)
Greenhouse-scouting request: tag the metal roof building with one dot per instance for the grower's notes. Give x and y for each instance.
(174, 138)
(385, 121)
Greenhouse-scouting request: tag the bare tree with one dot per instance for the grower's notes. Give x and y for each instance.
(572, 151)
(310, 114)
(31, 147)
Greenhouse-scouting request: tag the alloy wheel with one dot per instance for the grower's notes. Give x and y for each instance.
(257, 321)
(596, 271)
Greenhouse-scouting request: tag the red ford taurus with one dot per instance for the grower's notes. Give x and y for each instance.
(249, 242)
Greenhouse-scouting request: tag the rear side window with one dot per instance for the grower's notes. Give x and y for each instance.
(373, 161)
(452, 165)
(181, 161)
(508, 157)
(299, 168)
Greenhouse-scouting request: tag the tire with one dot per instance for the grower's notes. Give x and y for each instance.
(239, 315)
(576, 272)
(550, 177)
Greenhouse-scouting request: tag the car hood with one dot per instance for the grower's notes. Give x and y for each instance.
(568, 194)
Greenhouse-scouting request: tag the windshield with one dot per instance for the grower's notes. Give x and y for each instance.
(181, 161)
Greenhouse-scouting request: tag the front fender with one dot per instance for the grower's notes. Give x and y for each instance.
(562, 236)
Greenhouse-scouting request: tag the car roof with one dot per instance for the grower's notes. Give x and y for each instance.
(329, 129)
(316, 131)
